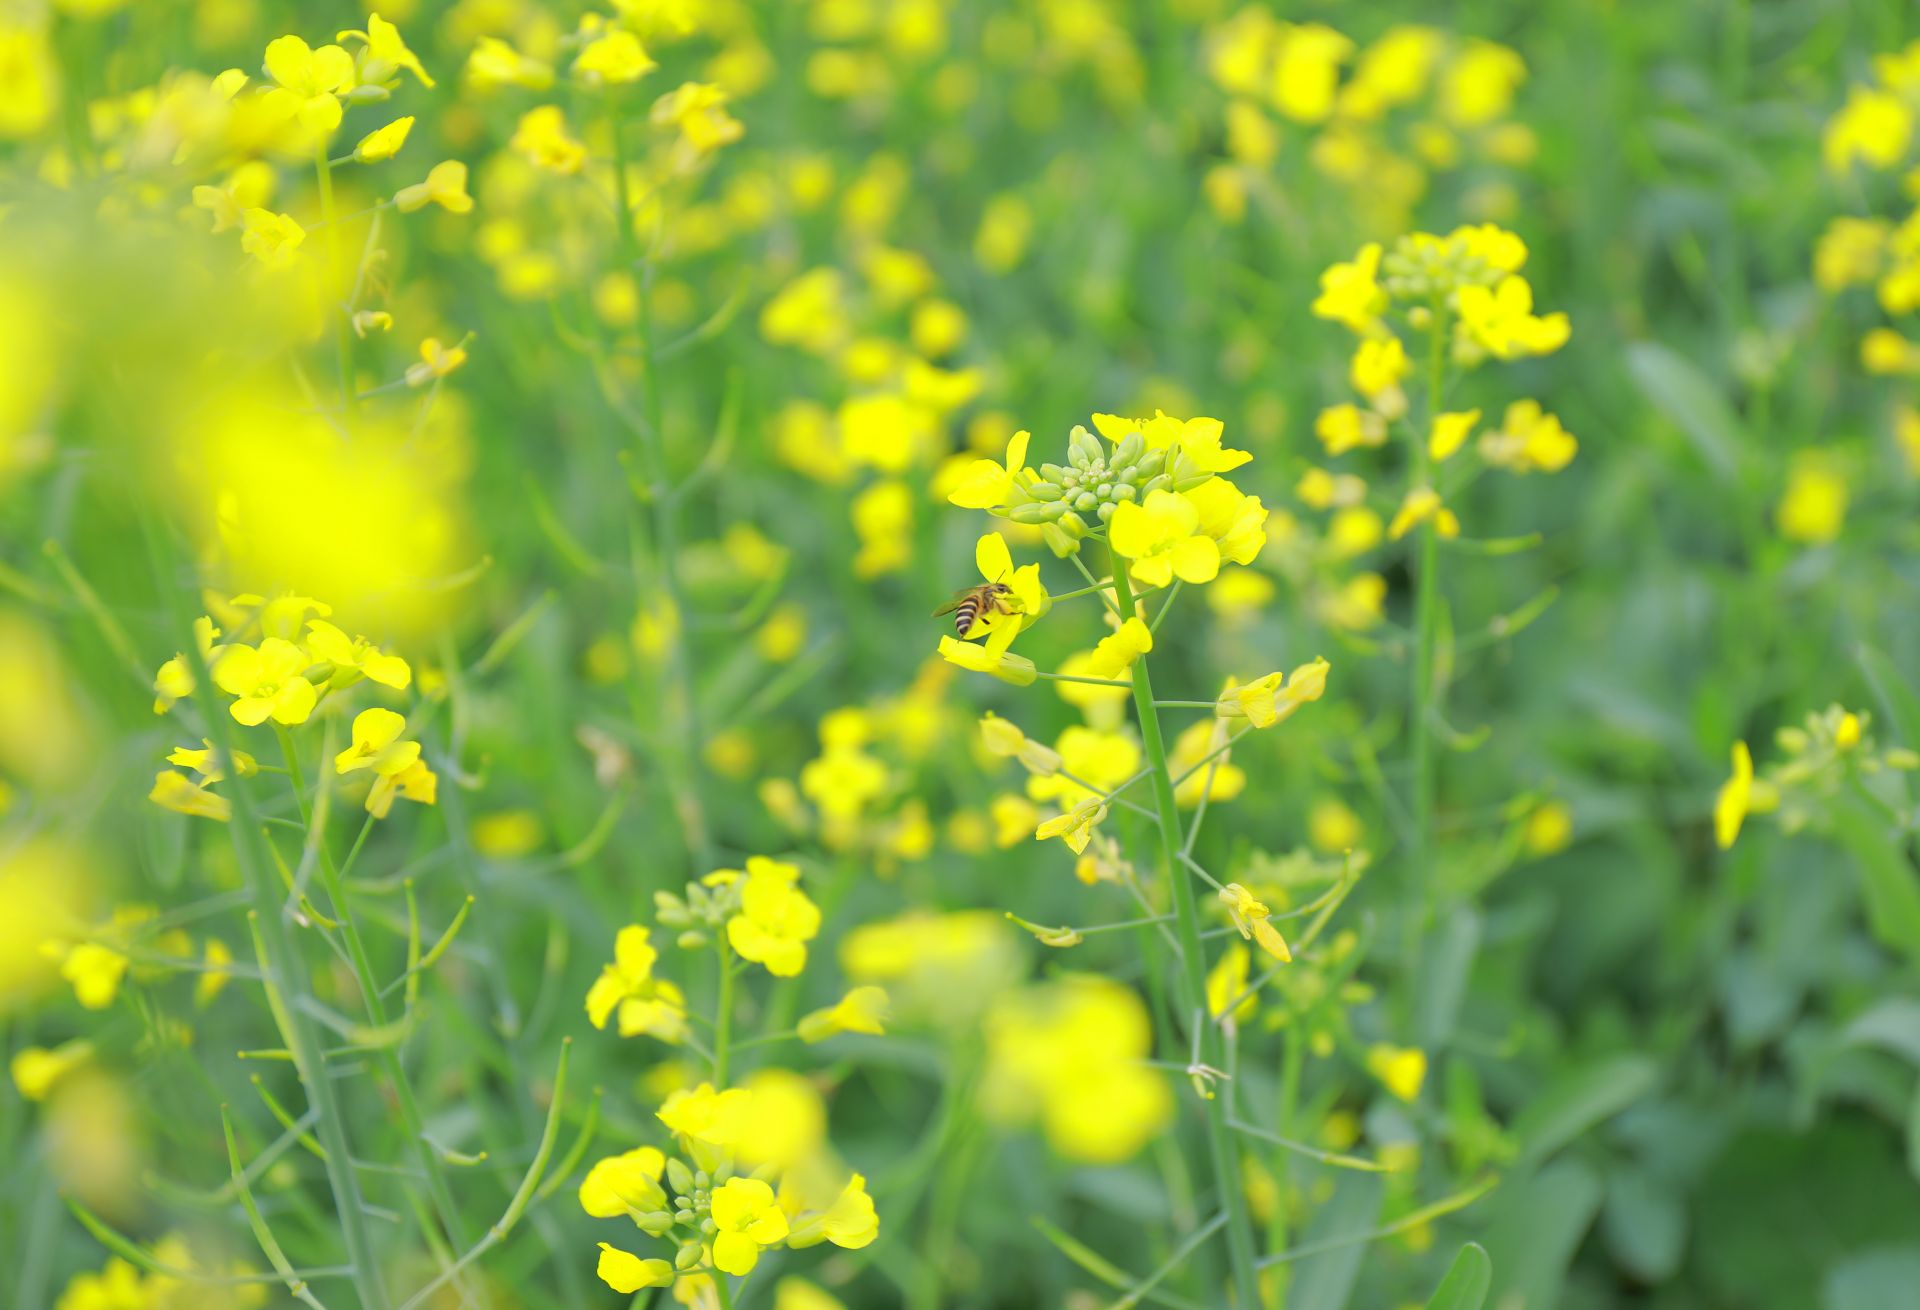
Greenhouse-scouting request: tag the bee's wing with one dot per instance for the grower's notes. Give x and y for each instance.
(953, 604)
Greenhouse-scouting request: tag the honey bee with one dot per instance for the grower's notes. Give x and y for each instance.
(967, 606)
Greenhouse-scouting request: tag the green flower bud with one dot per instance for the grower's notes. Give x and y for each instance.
(1061, 543)
(368, 94)
(1037, 512)
(679, 1175)
(684, 1215)
(708, 1227)
(689, 1256)
(1159, 483)
(1054, 473)
(655, 1223)
(691, 940)
(1044, 491)
(1151, 463)
(1131, 447)
(1083, 448)
(1085, 501)
(1125, 491)
(1106, 510)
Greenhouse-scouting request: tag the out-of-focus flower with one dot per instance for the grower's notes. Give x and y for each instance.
(861, 1010)
(383, 143)
(776, 919)
(446, 186)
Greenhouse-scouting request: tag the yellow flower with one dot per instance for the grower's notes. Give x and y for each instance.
(330, 645)
(1402, 1069)
(987, 484)
(619, 1185)
(436, 361)
(1114, 656)
(1346, 426)
(1071, 1053)
(1250, 916)
(542, 139)
(377, 744)
(416, 783)
(849, 1222)
(748, 1217)
(1271, 699)
(701, 1114)
(1005, 739)
(36, 1069)
(1529, 440)
(862, 1010)
(1813, 508)
(627, 1273)
(1421, 504)
(446, 186)
(494, 63)
(699, 111)
(1027, 600)
(1333, 827)
(1378, 365)
(1874, 128)
(1197, 439)
(1548, 829)
(205, 761)
(991, 656)
(175, 791)
(646, 1004)
(1850, 252)
(267, 680)
(1736, 795)
(1161, 538)
(1235, 521)
(1350, 293)
(1075, 826)
(95, 972)
(1889, 354)
(1306, 72)
(612, 58)
(215, 976)
(273, 239)
(1227, 981)
(1449, 433)
(776, 919)
(1479, 83)
(386, 52)
(383, 143)
(1501, 319)
(310, 81)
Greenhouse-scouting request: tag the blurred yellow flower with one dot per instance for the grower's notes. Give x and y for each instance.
(446, 186)
(861, 1010)
(1401, 1069)
(776, 919)
(382, 143)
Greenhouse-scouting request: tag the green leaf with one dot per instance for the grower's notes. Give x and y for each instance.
(1467, 1282)
(1873, 1280)
(1325, 1281)
(1888, 884)
(1444, 976)
(1579, 1101)
(1645, 1224)
(1896, 696)
(1541, 1224)
(1687, 396)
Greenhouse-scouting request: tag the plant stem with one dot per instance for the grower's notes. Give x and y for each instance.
(1192, 988)
(723, 1015)
(1425, 609)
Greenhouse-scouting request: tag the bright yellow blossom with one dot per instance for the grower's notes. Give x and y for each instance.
(268, 681)
(1161, 538)
(627, 1273)
(176, 792)
(310, 82)
(378, 745)
(383, 143)
(330, 645)
(776, 919)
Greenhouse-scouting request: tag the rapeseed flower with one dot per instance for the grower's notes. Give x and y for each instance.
(776, 919)
(268, 681)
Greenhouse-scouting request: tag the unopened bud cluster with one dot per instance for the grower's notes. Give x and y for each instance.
(1079, 497)
(700, 914)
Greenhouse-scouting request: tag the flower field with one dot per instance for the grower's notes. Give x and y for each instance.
(833, 654)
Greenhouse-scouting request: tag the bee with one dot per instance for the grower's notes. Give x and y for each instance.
(967, 606)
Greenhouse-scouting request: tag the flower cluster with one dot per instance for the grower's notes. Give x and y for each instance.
(1382, 120)
(296, 662)
(1830, 751)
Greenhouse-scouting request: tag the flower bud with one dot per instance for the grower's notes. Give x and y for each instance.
(1037, 511)
(680, 1176)
(689, 1256)
(1131, 447)
(1083, 448)
(1044, 491)
(654, 1223)
(691, 940)
(368, 94)
(1054, 473)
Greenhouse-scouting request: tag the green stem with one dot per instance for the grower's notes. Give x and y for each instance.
(723, 1015)
(1192, 987)
(1425, 610)
(342, 323)
(411, 1120)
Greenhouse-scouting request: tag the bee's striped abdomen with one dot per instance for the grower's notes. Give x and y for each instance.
(963, 617)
